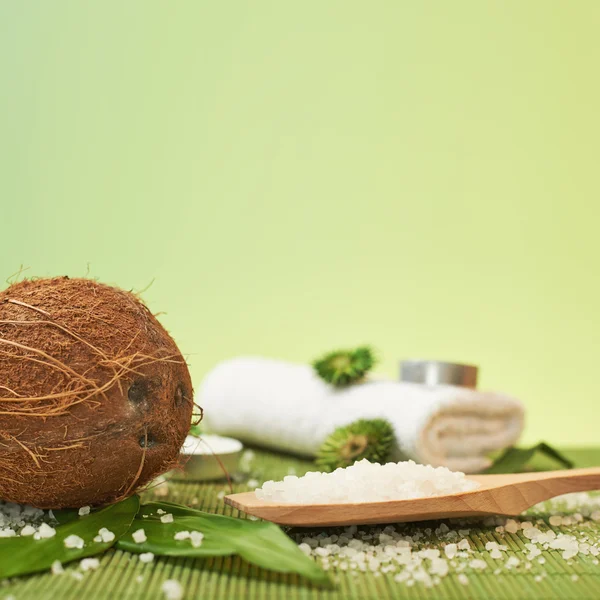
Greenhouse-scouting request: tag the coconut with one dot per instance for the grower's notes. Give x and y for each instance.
(95, 396)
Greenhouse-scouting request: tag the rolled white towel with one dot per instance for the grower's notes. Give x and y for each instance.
(287, 407)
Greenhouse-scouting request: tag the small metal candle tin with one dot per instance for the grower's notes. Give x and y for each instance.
(437, 372)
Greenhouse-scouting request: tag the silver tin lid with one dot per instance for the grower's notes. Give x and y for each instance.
(437, 372)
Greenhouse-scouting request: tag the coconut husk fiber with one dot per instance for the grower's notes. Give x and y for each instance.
(95, 396)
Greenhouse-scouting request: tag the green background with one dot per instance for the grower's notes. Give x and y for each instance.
(296, 176)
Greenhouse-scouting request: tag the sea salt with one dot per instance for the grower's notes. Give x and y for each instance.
(168, 518)
(73, 541)
(367, 482)
(139, 536)
(28, 530)
(146, 557)
(104, 535)
(44, 532)
(57, 568)
(89, 564)
(172, 590)
(83, 511)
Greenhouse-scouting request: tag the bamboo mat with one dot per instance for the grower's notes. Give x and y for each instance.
(122, 575)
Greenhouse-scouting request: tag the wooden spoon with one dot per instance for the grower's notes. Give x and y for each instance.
(497, 495)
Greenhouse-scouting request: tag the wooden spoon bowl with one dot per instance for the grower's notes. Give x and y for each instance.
(509, 494)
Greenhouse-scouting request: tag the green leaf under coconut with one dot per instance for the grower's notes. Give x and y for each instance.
(513, 460)
(196, 430)
(366, 438)
(259, 542)
(345, 367)
(23, 555)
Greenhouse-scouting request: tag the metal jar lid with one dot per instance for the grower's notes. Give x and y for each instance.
(437, 372)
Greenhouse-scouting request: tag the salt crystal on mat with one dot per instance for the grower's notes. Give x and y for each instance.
(511, 526)
(464, 545)
(57, 568)
(89, 564)
(146, 557)
(367, 482)
(172, 590)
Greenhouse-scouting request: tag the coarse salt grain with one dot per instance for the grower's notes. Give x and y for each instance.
(74, 541)
(172, 590)
(477, 563)
(168, 518)
(83, 511)
(367, 482)
(451, 550)
(146, 557)
(44, 532)
(104, 535)
(89, 564)
(57, 568)
(28, 530)
(139, 536)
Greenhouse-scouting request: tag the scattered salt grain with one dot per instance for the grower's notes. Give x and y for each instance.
(172, 590)
(146, 557)
(450, 550)
(168, 518)
(104, 535)
(464, 545)
(44, 532)
(196, 538)
(73, 541)
(463, 579)
(139, 536)
(511, 526)
(89, 564)
(28, 530)
(57, 568)
(83, 511)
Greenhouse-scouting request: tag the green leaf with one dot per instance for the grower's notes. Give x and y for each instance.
(514, 460)
(22, 555)
(259, 542)
(196, 430)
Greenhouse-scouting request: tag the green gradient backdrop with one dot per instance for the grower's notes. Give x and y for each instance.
(296, 176)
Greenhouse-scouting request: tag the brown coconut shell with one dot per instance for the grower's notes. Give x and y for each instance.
(95, 396)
